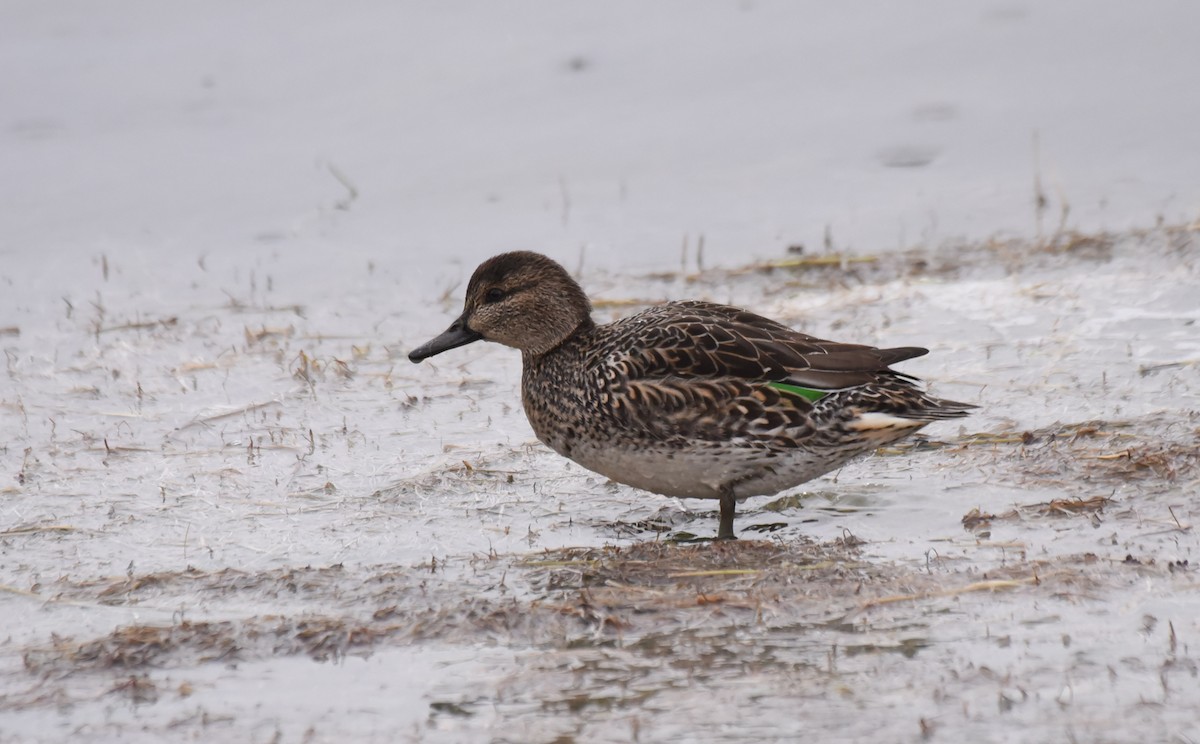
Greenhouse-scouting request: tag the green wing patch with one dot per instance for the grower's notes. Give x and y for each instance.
(809, 393)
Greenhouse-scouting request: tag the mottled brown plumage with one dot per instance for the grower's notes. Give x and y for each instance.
(687, 398)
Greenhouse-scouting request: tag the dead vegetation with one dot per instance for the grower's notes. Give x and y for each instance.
(582, 590)
(1085, 454)
(976, 519)
(616, 584)
(943, 262)
(585, 593)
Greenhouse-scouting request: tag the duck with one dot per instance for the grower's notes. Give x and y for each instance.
(687, 398)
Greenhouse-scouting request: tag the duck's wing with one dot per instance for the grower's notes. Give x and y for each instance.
(709, 341)
(700, 371)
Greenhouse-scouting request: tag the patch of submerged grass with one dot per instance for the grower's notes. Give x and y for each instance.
(1084, 454)
(575, 598)
(976, 519)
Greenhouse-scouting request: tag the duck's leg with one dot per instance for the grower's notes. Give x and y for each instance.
(728, 509)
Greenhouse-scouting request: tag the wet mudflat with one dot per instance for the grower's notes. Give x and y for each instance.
(232, 510)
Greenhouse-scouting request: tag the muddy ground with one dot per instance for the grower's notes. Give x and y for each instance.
(230, 510)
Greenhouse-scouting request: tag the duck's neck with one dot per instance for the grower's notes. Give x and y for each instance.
(556, 340)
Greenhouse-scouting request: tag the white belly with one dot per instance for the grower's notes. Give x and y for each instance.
(700, 472)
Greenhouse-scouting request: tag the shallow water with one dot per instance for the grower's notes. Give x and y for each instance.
(235, 509)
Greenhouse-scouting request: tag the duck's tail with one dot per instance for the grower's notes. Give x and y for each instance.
(928, 408)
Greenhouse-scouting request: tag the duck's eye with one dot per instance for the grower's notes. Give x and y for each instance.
(495, 294)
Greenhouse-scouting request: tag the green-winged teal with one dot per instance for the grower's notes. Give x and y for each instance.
(687, 398)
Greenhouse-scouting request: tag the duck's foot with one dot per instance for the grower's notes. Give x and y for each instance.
(728, 509)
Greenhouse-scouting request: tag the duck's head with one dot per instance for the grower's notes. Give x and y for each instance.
(520, 299)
